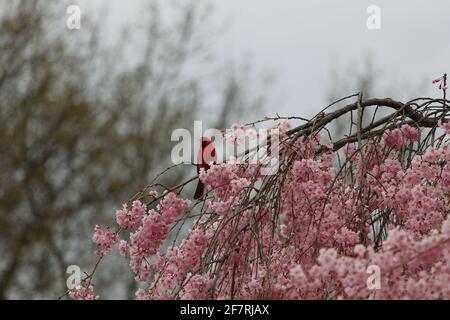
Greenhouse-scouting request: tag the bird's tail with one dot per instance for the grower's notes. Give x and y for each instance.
(199, 191)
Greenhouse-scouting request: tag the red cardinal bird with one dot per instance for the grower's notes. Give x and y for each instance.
(206, 155)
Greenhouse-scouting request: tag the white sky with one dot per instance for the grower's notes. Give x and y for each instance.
(301, 42)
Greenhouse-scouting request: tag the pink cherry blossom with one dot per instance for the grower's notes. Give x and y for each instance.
(445, 126)
(123, 248)
(83, 293)
(131, 218)
(104, 239)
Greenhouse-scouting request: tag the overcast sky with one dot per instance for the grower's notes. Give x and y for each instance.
(302, 42)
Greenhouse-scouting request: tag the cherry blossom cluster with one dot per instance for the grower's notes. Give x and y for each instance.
(317, 230)
(399, 137)
(131, 218)
(83, 293)
(177, 266)
(149, 229)
(150, 235)
(445, 125)
(104, 239)
(411, 269)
